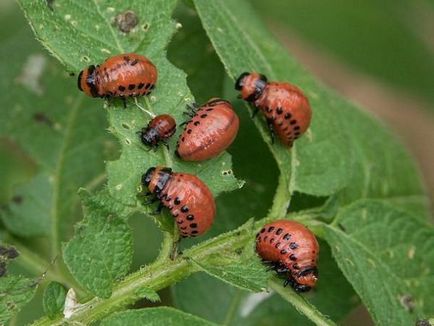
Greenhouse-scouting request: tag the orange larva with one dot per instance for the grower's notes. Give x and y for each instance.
(284, 106)
(211, 130)
(186, 196)
(123, 75)
(292, 250)
(159, 129)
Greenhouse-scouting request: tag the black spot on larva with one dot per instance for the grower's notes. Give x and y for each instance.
(194, 232)
(293, 122)
(141, 85)
(203, 115)
(177, 201)
(257, 236)
(127, 58)
(196, 123)
(271, 240)
(179, 221)
(121, 88)
(288, 116)
(210, 109)
(183, 228)
(168, 198)
(277, 244)
(286, 236)
(266, 237)
(297, 128)
(184, 209)
(134, 62)
(126, 21)
(190, 217)
(183, 138)
(271, 228)
(293, 257)
(193, 225)
(131, 87)
(279, 231)
(283, 252)
(189, 131)
(295, 266)
(279, 110)
(293, 245)
(268, 109)
(297, 133)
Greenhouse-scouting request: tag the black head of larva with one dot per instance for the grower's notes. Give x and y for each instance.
(150, 137)
(147, 177)
(240, 81)
(251, 85)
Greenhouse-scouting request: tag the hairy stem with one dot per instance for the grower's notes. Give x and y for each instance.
(166, 272)
(301, 304)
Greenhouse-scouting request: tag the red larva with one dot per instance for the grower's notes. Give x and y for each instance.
(159, 129)
(186, 196)
(292, 250)
(284, 106)
(211, 130)
(123, 76)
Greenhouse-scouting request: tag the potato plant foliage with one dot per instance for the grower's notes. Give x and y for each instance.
(80, 223)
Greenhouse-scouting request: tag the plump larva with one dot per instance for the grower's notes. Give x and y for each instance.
(123, 76)
(212, 128)
(159, 129)
(292, 250)
(284, 106)
(186, 196)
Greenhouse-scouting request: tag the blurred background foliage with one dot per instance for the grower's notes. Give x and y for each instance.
(379, 53)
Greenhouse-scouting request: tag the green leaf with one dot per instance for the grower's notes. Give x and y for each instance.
(335, 153)
(247, 274)
(15, 291)
(54, 299)
(154, 317)
(388, 257)
(75, 44)
(70, 36)
(148, 294)
(100, 252)
(57, 130)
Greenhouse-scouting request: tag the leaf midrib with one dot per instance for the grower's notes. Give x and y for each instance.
(55, 207)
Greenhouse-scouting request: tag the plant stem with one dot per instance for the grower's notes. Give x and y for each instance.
(301, 304)
(281, 200)
(166, 272)
(156, 276)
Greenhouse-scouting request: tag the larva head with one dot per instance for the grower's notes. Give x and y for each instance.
(305, 280)
(87, 81)
(156, 178)
(251, 85)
